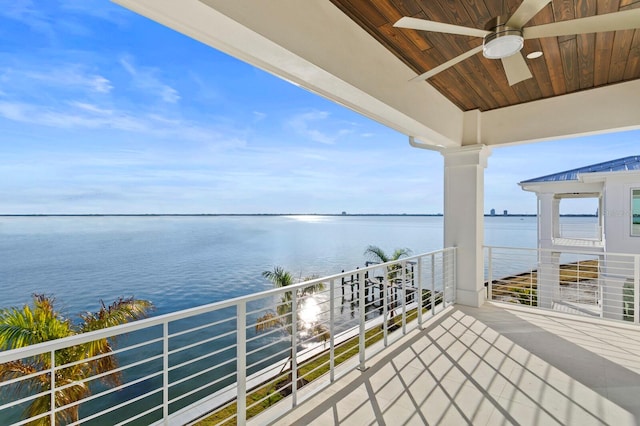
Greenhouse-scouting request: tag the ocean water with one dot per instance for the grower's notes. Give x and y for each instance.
(181, 262)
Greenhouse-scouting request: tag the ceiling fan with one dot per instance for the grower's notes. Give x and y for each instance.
(504, 38)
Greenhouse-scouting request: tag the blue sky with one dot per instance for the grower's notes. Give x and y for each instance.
(103, 111)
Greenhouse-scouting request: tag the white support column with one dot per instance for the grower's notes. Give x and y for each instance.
(547, 220)
(464, 218)
(548, 261)
(548, 278)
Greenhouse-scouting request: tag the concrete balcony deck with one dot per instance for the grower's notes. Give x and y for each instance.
(493, 365)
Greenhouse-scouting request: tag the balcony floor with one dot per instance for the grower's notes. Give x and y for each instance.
(491, 365)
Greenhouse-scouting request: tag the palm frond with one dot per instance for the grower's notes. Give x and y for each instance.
(16, 328)
(314, 288)
(284, 310)
(17, 369)
(78, 391)
(321, 331)
(40, 323)
(102, 364)
(400, 252)
(26, 326)
(121, 311)
(268, 321)
(377, 254)
(278, 277)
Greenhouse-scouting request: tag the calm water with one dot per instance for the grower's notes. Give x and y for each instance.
(181, 262)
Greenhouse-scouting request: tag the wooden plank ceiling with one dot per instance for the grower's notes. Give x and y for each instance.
(569, 63)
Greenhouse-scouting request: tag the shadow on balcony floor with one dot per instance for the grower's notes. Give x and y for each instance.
(492, 365)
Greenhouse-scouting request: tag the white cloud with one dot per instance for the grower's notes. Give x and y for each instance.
(83, 115)
(91, 108)
(97, 9)
(78, 116)
(258, 116)
(101, 84)
(70, 76)
(13, 111)
(62, 16)
(204, 89)
(302, 124)
(145, 79)
(26, 12)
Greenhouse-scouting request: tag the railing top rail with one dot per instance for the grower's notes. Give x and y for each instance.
(564, 250)
(15, 354)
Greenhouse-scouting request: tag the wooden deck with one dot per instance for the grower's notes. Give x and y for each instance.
(569, 274)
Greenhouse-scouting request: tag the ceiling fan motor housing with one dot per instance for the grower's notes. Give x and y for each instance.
(503, 41)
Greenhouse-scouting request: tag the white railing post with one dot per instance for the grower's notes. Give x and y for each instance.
(241, 363)
(420, 293)
(165, 372)
(578, 296)
(361, 307)
(432, 296)
(489, 273)
(52, 395)
(454, 285)
(447, 278)
(531, 287)
(385, 311)
(405, 288)
(294, 348)
(636, 288)
(332, 360)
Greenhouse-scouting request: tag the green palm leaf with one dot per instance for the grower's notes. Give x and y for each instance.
(376, 254)
(41, 323)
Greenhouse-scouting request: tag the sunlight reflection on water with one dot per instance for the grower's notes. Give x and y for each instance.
(309, 312)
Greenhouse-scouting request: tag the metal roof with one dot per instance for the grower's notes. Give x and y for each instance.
(619, 165)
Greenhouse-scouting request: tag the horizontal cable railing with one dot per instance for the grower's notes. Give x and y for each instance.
(228, 360)
(598, 284)
(592, 231)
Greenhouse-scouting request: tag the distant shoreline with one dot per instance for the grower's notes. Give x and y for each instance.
(271, 214)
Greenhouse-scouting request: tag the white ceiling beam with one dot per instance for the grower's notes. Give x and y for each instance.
(602, 110)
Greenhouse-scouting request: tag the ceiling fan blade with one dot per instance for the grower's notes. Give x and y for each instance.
(447, 64)
(525, 12)
(438, 27)
(625, 20)
(516, 68)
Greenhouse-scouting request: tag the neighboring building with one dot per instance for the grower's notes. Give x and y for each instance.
(493, 212)
(616, 187)
(505, 212)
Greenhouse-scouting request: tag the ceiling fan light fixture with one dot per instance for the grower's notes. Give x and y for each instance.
(503, 43)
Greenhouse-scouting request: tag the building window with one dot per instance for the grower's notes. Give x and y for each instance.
(635, 212)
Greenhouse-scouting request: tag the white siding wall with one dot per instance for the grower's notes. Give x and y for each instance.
(618, 214)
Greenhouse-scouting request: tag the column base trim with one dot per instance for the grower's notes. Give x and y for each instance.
(474, 298)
